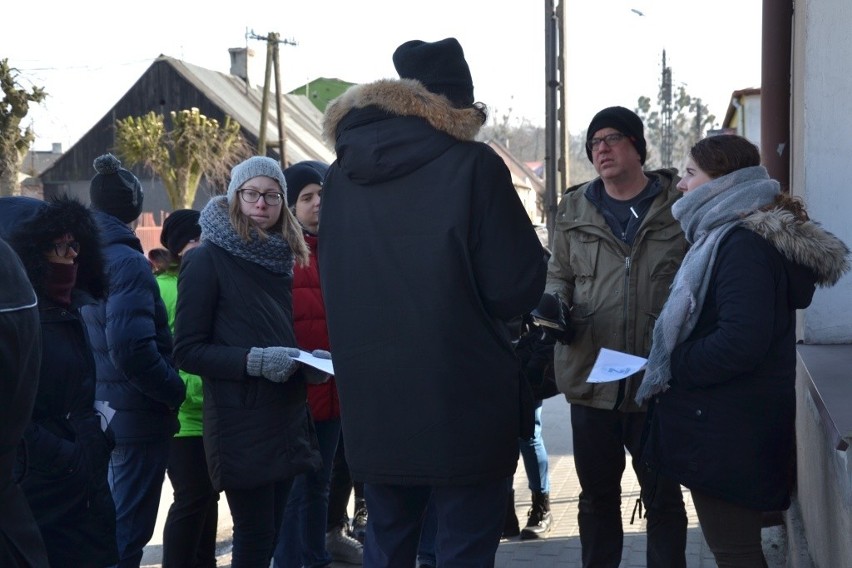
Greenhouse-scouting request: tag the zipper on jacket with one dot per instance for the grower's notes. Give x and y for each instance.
(622, 385)
(626, 302)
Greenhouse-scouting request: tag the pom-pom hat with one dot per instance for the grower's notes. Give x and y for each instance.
(115, 190)
(439, 65)
(179, 228)
(253, 167)
(625, 121)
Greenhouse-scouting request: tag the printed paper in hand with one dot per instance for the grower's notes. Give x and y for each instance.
(323, 365)
(614, 366)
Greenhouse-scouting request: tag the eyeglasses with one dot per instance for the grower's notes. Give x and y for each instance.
(610, 140)
(61, 249)
(270, 197)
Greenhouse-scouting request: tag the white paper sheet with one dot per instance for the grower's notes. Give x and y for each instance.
(315, 362)
(614, 366)
(105, 412)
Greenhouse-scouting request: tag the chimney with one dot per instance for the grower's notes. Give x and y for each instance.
(240, 61)
(56, 148)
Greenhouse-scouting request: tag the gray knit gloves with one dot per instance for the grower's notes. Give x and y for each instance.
(314, 376)
(272, 363)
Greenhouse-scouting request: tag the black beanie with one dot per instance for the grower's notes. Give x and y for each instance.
(298, 176)
(179, 228)
(440, 66)
(115, 190)
(625, 121)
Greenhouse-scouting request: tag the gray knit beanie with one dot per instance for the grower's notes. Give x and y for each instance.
(253, 167)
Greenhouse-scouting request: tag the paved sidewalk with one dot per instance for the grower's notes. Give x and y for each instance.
(561, 549)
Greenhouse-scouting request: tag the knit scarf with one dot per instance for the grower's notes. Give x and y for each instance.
(707, 214)
(272, 252)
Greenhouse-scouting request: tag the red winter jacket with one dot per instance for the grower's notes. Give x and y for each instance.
(311, 331)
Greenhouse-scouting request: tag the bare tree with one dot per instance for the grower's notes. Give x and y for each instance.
(14, 142)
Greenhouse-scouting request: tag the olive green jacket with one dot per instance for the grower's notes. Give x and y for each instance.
(615, 292)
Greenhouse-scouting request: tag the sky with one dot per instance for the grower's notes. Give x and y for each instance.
(87, 54)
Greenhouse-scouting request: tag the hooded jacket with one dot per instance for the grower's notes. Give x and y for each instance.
(64, 466)
(20, 359)
(615, 290)
(726, 425)
(425, 251)
(132, 343)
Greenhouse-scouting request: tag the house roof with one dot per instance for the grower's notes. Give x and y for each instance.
(302, 120)
(523, 176)
(738, 95)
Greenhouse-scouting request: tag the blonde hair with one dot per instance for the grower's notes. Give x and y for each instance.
(287, 225)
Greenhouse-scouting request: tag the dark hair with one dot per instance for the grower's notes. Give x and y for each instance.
(723, 154)
(161, 259)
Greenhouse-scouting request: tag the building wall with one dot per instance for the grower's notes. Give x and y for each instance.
(824, 490)
(821, 168)
(751, 116)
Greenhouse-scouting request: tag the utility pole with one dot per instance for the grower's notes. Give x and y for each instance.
(272, 60)
(698, 119)
(666, 147)
(551, 25)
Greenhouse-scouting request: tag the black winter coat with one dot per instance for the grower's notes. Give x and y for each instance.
(256, 432)
(132, 342)
(425, 251)
(63, 465)
(726, 425)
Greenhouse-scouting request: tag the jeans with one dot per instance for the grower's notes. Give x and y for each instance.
(257, 514)
(189, 535)
(426, 546)
(600, 437)
(136, 474)
(469, 520)
(301, 538)
(732, 532)
(534, 455)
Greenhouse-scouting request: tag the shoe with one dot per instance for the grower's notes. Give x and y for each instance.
(540, 519)
(344, 548)
(511, 528)
(359, 520)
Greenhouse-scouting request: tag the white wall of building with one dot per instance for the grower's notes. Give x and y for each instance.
(821, 169)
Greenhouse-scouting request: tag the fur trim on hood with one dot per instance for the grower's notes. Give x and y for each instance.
(29, 225)
(403, 97)
(805, 243)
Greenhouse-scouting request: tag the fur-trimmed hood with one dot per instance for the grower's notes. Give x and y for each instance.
(388, 129)
(29, 225)
(803, 243)
(403, 97)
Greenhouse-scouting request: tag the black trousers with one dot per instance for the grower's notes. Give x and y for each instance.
(600, 438)
(339, 489)
(189, 535)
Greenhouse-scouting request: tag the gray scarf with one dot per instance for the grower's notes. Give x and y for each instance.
(707, 214)
(272, 252)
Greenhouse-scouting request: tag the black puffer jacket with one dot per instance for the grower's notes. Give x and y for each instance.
(64, 465)
(425, 251)
(132, 342)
